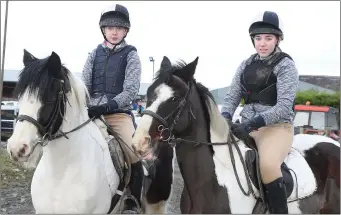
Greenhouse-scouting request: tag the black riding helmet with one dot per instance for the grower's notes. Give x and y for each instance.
(115, 16)
(266, 22)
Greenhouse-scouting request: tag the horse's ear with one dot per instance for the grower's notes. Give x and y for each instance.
(165, 62)
(28, 58)
(54, 65)
(187, 73)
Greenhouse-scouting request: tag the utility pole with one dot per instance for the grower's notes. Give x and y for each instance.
(3, 60)
(151, 59)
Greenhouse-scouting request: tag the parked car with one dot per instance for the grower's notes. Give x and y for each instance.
(9, 112)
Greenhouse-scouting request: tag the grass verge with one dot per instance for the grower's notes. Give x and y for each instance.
(11, 173)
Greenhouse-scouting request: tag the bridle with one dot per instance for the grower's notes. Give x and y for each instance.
(46, 132)
(165, 127)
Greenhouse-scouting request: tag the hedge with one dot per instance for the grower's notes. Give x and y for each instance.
(316, 98)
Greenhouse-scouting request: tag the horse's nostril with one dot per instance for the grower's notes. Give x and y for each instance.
(147, 140)
(134, 148)
(23, 150)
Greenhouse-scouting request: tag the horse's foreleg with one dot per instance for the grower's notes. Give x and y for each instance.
(157, 208)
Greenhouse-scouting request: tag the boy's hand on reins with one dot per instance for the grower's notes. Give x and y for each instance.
(242, 130)
(97, 111)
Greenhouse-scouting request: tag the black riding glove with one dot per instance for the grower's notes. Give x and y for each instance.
(242, 130)
(97, 111)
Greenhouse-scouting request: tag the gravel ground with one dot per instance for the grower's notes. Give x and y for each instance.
(173, 206)
(15, 188)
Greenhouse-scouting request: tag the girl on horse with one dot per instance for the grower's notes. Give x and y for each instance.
(112, 75)
(267, 81)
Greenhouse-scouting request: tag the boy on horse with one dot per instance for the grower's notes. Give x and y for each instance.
(267, 81)
(112, 75)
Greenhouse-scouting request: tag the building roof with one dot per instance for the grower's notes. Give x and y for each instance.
(13, 75)
(329, 82)
(303, 86)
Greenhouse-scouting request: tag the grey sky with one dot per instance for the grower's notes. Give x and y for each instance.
(217, 32)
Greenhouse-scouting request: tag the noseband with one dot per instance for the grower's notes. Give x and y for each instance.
(164, 127)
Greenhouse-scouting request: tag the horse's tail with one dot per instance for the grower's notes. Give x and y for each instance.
(324, 161)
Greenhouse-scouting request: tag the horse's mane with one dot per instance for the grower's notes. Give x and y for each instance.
(80, 90)
(34, 79)
(164, 75)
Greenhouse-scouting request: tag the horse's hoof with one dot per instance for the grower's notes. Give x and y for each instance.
(130, 212)
(131, 206)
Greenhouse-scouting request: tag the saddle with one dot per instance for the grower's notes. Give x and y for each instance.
(253, 170)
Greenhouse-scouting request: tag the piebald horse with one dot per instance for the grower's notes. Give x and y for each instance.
(75, 173)
(182, 113)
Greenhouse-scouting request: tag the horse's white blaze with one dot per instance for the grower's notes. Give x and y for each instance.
(163, 93)
(25, 132)
(74, 175)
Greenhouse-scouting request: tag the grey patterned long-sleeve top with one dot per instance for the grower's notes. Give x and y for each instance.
(287, 84)
(131, 83)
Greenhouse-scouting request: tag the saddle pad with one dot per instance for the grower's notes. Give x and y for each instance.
(302, 175)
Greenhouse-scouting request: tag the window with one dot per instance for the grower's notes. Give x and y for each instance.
(332, 121)
(317, 120)
(301, 119)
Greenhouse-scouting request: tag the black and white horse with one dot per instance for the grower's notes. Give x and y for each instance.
(75, 173)
(182, 112)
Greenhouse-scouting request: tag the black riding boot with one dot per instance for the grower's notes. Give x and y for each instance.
(277, 197)
(135, 185)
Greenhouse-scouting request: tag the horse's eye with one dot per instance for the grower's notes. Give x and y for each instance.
(174, 99)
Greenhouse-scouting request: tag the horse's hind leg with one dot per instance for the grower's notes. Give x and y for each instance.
(332, 188)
